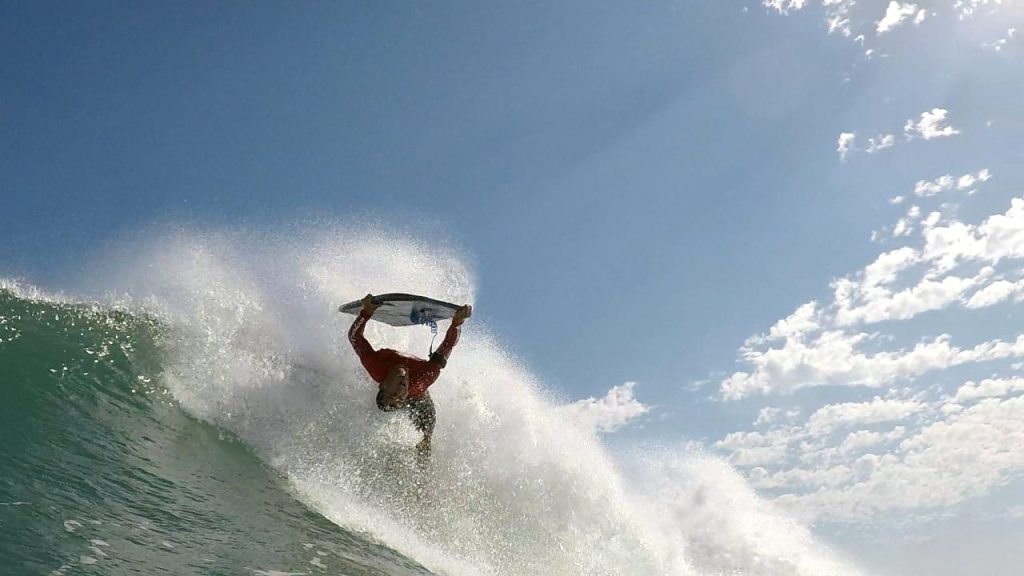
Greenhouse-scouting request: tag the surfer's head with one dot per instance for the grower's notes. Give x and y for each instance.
(394, 390)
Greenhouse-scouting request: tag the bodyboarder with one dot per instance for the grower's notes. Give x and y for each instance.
(403, 380)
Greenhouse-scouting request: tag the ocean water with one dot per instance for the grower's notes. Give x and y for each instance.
(193, 407)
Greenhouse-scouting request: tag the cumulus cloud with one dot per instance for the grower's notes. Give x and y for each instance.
(616, 409)
(837, 12)
(895, 14)
(988, 388)
(999, 237)
(820, 344)
(960, 452)
(931, 124)
(994, 293)
(767, 415)
(757, 448)
(835, 358)
(805, 319)
(811, 355)
(833, 416)
(909, 446)
(926, 188)
(903, 227)
(801, 478)
(869, 299)
(845, 144)
(881, 304)
(857, 442)
(964, 454)
(785, 5)
(881, 143)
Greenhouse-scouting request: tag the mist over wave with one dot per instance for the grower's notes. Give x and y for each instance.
(513, 488)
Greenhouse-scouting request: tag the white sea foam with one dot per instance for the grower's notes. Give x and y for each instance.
(514, 488)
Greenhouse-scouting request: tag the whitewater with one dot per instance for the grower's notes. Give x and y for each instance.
(191, 405)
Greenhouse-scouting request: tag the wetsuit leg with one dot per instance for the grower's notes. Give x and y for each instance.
(421, 410)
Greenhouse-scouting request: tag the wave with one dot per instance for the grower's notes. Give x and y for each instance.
(220, 335)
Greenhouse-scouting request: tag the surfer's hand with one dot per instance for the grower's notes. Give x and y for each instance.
(462, 313)
(368, 304)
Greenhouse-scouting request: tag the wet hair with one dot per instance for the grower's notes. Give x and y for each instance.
(439, 359)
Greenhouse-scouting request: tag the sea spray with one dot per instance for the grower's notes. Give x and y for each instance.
(513, 487)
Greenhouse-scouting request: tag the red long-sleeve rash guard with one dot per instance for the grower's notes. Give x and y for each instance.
(378, 363)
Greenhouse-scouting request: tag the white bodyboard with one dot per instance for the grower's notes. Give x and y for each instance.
(405, 309)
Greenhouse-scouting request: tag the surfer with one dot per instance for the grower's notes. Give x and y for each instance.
(403, 380)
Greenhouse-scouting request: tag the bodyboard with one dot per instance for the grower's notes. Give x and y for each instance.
(405, 309)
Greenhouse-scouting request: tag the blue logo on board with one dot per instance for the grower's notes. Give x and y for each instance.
(423, 315)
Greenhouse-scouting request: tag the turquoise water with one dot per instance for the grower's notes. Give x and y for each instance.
(103, 473)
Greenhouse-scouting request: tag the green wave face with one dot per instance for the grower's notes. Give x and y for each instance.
(102, 473)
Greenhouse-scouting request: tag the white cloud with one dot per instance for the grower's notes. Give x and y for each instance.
(881, 304)
(958, 454)
(817, 346)
(845, 144)
(838, 16)
(828, 418)
(835, 359)
(888, 265)
(903, 228)
(999, 237)
(767, 415)
(895, 14)
(805, 319)
(965, 455)
(994, 293)
(856, 442)
(847, 462)
(930, 125)
(859, 440)
(946, 182)
(801, 478)
(785, 5)
(988, 388)
(968, 180)
(837, 12)
(608, 414)
(757, 448)
(932, 187)
(881, 143)
(839, 22)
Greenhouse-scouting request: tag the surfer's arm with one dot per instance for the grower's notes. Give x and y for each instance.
(355, 335)
(452, 336)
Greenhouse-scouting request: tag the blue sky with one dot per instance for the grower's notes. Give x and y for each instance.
(641, 189)
(526, 135)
